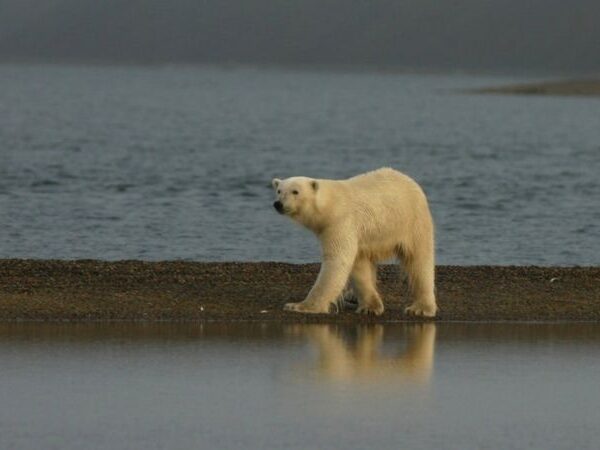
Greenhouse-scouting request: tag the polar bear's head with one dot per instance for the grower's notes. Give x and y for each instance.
(296, 197)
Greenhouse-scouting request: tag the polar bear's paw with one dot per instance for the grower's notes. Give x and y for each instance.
(421, 310)
(374, 308)
(304, 307)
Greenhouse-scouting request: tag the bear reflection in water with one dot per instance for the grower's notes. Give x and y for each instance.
(361, 354)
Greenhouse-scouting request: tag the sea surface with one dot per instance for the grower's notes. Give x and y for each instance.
(175, 162)
(256, 386)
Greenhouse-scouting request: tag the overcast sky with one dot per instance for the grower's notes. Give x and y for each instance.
(541, 35)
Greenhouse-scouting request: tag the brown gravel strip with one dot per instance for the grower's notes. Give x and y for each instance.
(48, 290)
(565, 87)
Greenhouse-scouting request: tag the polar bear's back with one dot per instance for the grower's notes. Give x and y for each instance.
(385, 203)
(386, 188)
(370, 180)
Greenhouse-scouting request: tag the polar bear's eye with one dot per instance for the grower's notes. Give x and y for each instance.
(279, 191)
(295, 192)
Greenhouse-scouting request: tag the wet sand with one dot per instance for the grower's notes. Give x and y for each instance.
(48, 290)
(565, 87)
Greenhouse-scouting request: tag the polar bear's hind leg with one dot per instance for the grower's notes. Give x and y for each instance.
(420, 271)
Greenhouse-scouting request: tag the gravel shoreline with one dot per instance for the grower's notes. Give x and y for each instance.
(89, 290)
(585, 88)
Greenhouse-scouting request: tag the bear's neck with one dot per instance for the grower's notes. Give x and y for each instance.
(325, 211)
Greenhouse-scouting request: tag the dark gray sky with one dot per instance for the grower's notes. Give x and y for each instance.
(544, 35)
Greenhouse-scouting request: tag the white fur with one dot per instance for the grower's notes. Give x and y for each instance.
(360, 221)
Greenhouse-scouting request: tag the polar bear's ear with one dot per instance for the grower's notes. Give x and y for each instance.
(315, 185)
(275, 182)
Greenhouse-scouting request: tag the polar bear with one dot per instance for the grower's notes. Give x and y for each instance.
(360, 221)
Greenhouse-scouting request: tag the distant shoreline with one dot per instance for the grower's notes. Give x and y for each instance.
(89, 290)
(589, 87)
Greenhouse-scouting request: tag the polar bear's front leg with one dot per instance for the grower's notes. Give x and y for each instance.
(338, 259)
(364, 275)
(328, 287)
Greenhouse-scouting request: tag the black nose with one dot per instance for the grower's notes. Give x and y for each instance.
(278, 206)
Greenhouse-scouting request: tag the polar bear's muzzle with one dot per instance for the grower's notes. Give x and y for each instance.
(279, 207)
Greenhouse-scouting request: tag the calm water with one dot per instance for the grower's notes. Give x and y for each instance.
(175, 162)
(451, 386)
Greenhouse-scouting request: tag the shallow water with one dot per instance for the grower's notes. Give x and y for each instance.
(244, 386)
(175, 162)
